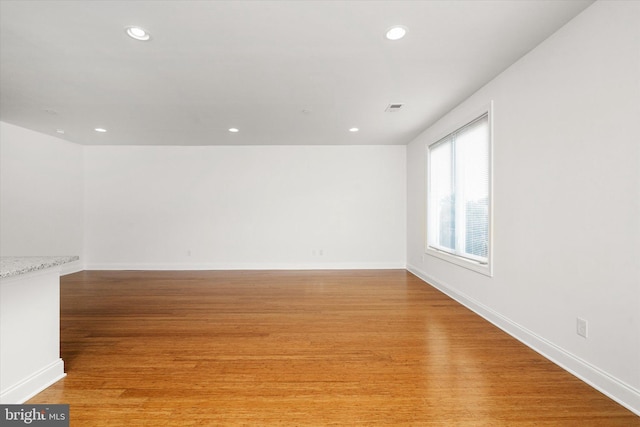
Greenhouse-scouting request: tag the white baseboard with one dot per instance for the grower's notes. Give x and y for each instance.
(247, 266)
(72, 267)
(624, 394)
(29, 387)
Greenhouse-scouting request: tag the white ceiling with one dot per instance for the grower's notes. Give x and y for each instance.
(255, 65)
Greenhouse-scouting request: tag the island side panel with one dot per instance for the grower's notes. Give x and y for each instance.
(29, 334)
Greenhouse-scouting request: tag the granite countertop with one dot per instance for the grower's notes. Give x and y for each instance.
(11, 266)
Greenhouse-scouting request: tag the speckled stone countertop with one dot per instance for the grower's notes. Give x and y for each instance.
(11, 266)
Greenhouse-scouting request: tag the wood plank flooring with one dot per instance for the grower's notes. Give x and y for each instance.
(300, 348)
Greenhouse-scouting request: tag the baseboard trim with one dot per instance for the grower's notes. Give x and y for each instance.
(619, 391)
(248, 266)
(72, 267)
(29, 387)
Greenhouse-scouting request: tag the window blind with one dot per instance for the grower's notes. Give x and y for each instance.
(458, 192)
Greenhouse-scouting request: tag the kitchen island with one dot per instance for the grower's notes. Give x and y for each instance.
(29, 325)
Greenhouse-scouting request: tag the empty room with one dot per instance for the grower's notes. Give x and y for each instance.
(310, 213)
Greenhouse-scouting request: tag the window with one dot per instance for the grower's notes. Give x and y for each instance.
(459, 196)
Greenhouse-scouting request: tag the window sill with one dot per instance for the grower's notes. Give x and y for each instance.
(485, 269)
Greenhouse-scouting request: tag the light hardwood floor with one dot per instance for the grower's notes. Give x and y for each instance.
(300, 348)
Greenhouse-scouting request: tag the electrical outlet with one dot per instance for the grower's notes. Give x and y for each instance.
(581, 327)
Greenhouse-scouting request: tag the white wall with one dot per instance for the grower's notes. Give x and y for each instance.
(245, 207)
(567, 200)
(40, 195)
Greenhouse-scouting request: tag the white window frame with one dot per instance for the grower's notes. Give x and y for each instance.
(470, 264)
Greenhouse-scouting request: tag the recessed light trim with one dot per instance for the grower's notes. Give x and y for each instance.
(100, 130)
(396, 32)
(138, 33)
(354, 129)
(234, 130)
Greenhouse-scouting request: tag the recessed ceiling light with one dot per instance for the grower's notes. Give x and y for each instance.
(138, 33)
(101, 130)
(59, 130)
(354, 130)
(396, 32)
(234, 130)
